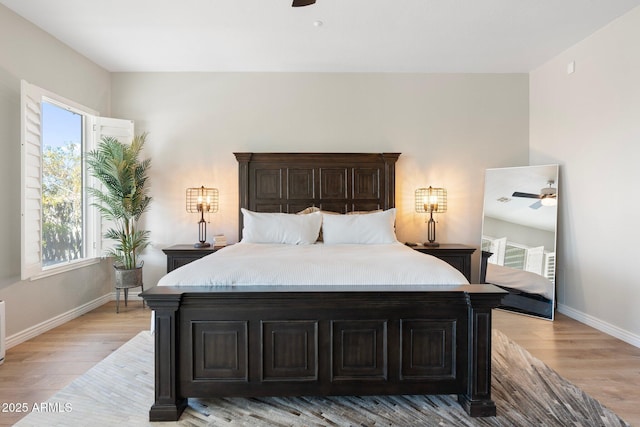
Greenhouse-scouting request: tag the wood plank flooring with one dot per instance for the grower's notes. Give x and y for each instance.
(606, 368)
(36, 369)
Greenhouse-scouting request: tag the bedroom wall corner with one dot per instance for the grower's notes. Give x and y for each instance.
(587, 121)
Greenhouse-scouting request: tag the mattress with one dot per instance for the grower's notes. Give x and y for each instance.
(250, 264)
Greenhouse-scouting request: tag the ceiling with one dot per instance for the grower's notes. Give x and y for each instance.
(448, 36)
(501, 183)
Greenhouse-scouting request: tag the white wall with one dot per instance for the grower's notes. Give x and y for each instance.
(449, 129)
(589, 123)
(519, 233)
(27, 52)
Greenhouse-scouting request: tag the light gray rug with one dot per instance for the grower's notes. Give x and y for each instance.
(118, 391)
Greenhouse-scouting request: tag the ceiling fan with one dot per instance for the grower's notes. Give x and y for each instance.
(300, 3)
(547, 196)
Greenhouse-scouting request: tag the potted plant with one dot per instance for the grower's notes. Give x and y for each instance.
(122, 199)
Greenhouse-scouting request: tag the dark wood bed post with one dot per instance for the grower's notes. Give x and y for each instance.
(390, 160)
(243, 181)
(477, 400)
(168, 404)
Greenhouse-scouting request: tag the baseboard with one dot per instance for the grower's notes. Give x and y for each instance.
(133, 296)
(54, 322)
(600, 325)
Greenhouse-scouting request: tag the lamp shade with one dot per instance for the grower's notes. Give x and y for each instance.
(431, 200)
(202, 200)
(548, 201)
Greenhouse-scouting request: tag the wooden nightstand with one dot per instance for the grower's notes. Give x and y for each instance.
(179, 255)
(459, 256)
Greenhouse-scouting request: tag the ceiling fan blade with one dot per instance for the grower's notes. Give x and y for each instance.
(536, 205)
(300, 3)
(529, 195)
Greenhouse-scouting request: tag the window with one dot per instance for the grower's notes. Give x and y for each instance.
(521, 257)
(60, 228)
(63, 234)
(514, 256)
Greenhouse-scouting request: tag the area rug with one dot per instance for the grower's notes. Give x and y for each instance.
(118, 391)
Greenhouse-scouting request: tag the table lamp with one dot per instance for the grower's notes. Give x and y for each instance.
(201, 200)
(431, 200)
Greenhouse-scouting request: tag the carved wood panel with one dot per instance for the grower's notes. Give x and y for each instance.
(221, 347)
(366, 183)
(268, 183)
(359, 350)
(269, 207)
(267, 189)
(290, 350)
(334, 183)
(428, 349)
(301, 184)
(334, 207)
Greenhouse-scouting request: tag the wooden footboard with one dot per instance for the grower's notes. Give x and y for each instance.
(294, 341)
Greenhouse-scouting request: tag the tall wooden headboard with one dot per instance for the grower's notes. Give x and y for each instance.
(338, 182)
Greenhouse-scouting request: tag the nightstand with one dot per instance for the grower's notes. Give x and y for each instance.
(459, 256)
(179, 255)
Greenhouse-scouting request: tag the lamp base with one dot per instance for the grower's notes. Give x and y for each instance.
(202, 245)
(431, 244)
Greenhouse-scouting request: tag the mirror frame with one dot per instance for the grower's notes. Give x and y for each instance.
(515, 234)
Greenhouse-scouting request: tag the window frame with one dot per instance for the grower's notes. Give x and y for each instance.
(94, 128)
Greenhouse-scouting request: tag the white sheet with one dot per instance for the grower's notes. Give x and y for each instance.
(318, 264)
(519, 279)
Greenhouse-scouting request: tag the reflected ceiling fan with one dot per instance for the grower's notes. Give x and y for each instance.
(300, 3)
(546, 197)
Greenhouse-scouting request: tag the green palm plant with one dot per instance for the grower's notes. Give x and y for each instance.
(123, 197)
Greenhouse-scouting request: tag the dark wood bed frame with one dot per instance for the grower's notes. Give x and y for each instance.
(321, 340)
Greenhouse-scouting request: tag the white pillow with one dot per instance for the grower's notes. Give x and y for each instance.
(261, 227)
(372, 228)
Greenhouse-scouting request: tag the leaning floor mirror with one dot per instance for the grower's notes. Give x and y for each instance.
(519, 236)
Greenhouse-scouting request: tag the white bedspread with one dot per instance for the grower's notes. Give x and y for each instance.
(318, 264)
(519, 279)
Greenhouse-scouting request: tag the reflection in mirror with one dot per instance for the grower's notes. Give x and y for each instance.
(519, 236)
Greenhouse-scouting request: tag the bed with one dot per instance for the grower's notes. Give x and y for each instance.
(528, 293)
(286, 337)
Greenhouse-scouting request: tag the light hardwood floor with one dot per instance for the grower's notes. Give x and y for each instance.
(606, 368)
(36, 369)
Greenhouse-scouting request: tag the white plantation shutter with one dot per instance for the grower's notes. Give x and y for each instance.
(118, 128)
(535, 260)
(31, 181)
(31, 178)
(123, 130)
(550, 266)
(498, 248)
